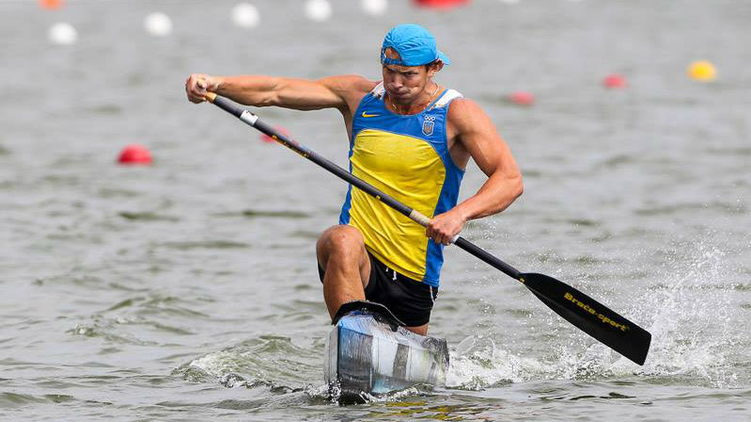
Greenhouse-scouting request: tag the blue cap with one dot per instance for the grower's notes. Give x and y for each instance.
(415, 45)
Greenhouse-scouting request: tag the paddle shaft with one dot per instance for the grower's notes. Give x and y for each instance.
(253, 120)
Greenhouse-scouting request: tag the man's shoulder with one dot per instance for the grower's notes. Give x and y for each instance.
(350, 88)
(463, 110)
(349, 84)
(467, 120)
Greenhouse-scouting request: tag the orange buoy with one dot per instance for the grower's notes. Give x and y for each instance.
(135, 154)
(441, 4)
(51, 4)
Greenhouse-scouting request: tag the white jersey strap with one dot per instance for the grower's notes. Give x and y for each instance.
(379, 91)
(447, 97)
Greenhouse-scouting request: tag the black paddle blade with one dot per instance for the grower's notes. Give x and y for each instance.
(590, 316)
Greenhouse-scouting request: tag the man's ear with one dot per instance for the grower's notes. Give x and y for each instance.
(435, 67)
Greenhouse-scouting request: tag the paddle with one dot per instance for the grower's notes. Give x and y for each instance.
(587, 314)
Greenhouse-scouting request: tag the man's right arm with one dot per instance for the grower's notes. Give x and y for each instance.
(339, 92)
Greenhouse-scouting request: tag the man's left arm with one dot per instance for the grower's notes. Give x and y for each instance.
(470, 126)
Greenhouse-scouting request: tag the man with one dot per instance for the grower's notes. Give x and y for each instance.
(410, 138)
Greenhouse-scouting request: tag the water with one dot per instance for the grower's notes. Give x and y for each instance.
(188, 290)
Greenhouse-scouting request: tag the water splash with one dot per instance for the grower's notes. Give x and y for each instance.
(693, 314)
(691, 311)
(477, 363)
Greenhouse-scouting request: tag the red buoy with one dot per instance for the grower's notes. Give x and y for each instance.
(614, 81)
(135, 154)
(441, 4)
(522, 98)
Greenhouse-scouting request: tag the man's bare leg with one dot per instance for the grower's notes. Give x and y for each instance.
(342, 255)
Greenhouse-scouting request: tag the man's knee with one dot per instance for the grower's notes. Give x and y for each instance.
(340, 241)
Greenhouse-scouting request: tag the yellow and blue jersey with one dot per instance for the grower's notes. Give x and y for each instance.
(406, 157)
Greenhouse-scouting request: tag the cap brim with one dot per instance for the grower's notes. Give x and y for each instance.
(444, 58)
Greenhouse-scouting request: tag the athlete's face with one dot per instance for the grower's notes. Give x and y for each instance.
(404, 84)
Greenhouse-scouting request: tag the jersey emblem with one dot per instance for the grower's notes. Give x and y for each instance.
(427, 125)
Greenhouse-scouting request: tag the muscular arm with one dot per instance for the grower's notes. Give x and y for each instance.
(479, 139)
(340, 92)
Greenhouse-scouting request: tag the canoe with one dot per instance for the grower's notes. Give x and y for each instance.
(369, 353)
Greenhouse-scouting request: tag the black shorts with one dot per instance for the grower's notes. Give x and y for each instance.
(411, 301)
